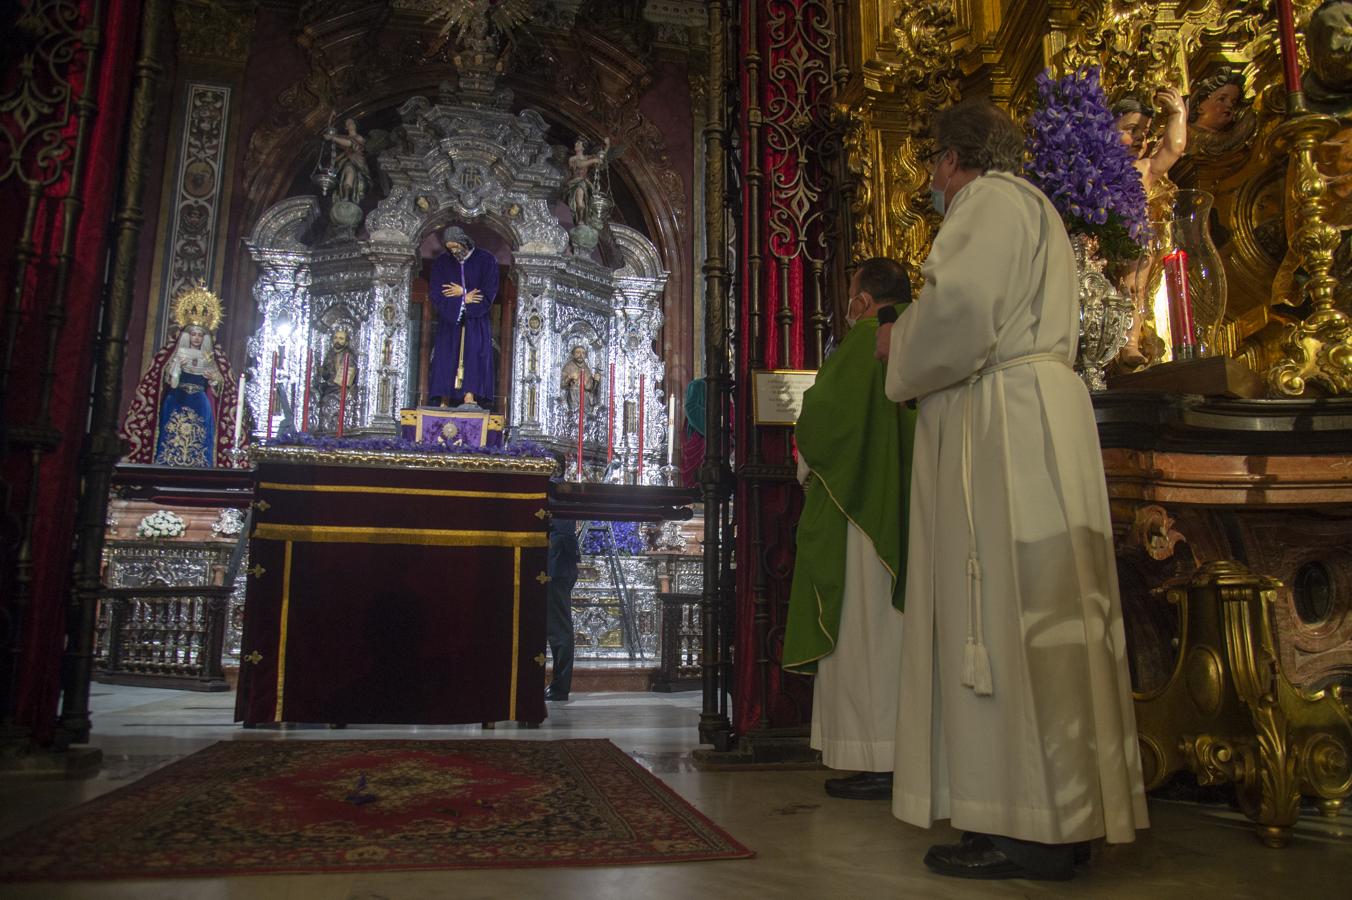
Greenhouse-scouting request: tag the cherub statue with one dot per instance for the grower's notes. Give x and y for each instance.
(1218, 119)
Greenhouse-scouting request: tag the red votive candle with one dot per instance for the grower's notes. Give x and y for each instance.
(642, 402)
(581, 419)
(610, 424)
(272, 392)
(305, 405)
(1286, 32)
(1180, 304)
(342, 395)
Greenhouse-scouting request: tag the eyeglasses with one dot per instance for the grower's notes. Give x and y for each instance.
(931, 159)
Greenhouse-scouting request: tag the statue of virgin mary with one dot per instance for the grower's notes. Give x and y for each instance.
(184, 408)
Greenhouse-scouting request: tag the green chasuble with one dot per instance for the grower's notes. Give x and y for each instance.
(858, 445)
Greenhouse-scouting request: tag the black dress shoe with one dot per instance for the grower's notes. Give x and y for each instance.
(976, 857)
(864, 786)
(556, 696)
(1080, 851)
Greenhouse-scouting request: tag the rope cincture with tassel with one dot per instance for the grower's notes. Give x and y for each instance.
(460, 366)
(976, 661)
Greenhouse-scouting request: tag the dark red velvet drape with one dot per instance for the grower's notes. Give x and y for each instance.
(784, 220)
(58, 484)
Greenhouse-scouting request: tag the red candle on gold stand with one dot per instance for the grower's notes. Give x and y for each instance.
(1286, 33)
(610, 425)
(581, 419)
(342, 396)
(642, 402)
(305, 405)
(272, 393)
(1180, 304)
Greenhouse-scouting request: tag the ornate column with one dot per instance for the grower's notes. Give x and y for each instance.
(213, 40)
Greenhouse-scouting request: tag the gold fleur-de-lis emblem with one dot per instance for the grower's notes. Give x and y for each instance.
(543, 514)
(254, 657)
(262, 505)
(540, 660)
(542, 578)
(257, 571)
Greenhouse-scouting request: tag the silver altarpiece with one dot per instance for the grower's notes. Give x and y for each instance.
(465, 164)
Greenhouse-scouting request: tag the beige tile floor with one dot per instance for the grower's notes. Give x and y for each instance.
(807, 844)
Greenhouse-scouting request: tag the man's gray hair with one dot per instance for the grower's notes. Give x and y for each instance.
(982, 134)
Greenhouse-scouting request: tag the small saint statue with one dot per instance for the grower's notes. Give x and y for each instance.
(338, 361)
(337, 358)
(576, 371)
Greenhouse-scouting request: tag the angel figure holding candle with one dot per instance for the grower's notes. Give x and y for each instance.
(183, 412)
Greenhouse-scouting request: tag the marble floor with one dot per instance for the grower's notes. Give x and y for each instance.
(807, 844)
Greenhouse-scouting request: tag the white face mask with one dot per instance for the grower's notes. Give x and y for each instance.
(852, 320)
(937, 198)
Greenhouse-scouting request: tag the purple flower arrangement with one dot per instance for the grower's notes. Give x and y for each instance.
(327, 442)
(1078, 160)
(628, 538)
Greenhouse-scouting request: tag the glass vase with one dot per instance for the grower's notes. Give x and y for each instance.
(1188, 279)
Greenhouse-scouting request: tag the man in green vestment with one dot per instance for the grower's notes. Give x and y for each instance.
(844, 622)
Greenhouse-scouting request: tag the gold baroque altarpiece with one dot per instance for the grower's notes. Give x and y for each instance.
(1283, 211)
(908, 59)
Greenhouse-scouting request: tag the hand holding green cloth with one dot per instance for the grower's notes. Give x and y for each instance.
(858, 445)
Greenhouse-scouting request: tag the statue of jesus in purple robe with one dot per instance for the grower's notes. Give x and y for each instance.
(463, 286)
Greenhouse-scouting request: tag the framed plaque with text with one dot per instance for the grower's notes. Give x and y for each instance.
(777, 394)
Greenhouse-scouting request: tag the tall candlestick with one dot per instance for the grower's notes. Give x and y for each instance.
(272, 393)
(642, 397)
(305, 406)
(581, 418)
(342, 394)
(239, 412)
(671, 427)
(610, 425)
(1286, 33)
(1180, 304)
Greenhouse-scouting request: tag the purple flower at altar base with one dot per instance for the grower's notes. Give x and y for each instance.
(1078, 160)
(628, 538)
(325, 442)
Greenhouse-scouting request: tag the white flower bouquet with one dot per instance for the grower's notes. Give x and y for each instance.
(161, 524)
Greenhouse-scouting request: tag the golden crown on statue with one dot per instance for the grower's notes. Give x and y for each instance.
(198, 306)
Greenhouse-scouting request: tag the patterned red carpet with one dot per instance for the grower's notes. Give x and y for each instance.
(256, 807)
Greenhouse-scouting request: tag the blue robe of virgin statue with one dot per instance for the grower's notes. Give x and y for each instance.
(456, 318)
(187, 432)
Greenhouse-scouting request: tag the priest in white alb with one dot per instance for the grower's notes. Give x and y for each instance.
(1015, 717)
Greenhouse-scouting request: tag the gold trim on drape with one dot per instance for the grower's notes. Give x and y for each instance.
(424, 537)
(281, 637)
(401, 492)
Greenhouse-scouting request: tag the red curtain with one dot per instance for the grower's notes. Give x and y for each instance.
(108, 89)
(792, 39)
